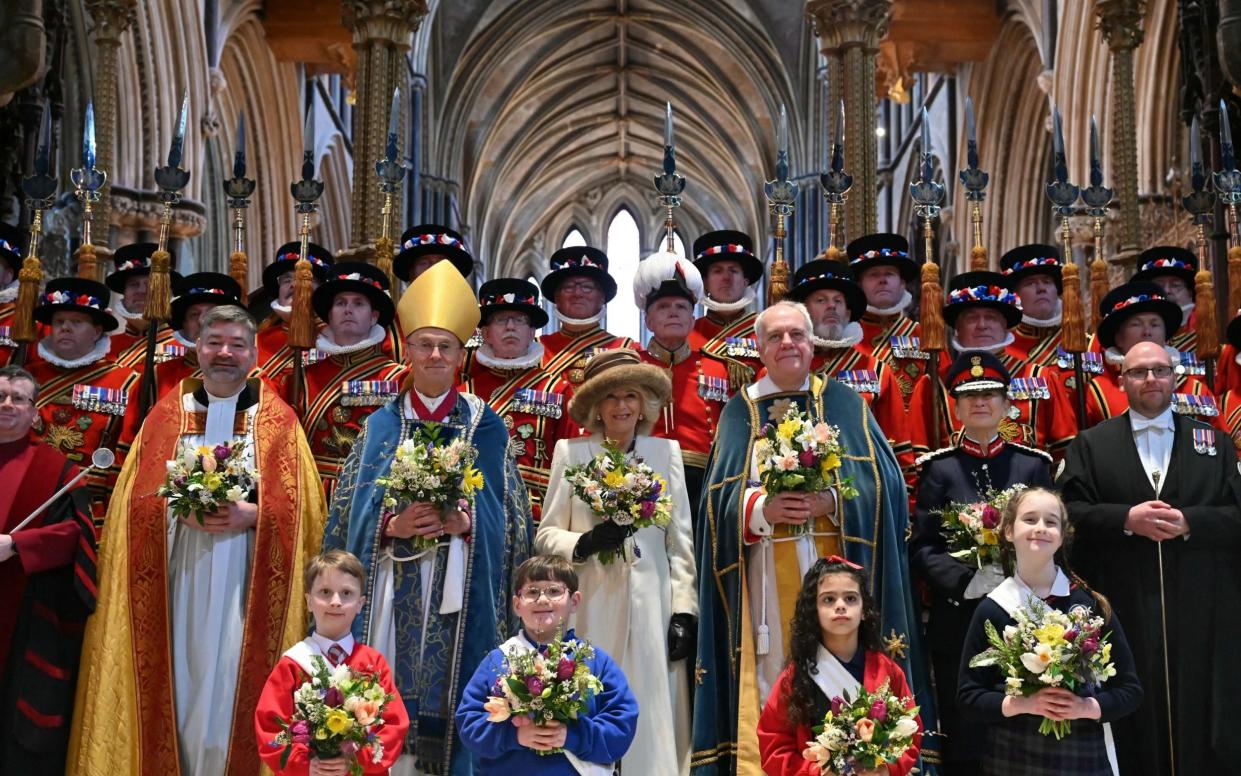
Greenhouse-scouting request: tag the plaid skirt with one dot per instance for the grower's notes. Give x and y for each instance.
(1018, 749)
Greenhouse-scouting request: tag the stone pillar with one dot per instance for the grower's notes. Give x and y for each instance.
(1121, 24)
(849, 33)
(382, 32)
(111, 18)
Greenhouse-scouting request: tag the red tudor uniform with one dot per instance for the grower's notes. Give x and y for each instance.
(1034, 341)
(726, 332)
(276, 703)
(129, 346)
(1169, 263)
(1228, 367)
(273, 338)
(1231, 415)
(89, 403)
(11, 241)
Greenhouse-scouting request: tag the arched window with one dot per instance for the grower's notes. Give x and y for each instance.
(624, 252)
(573, 239)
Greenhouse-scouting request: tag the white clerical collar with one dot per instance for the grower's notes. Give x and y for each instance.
(9, 292)
(325, 343)
(1013, 593)
(486, 356)
(1163, 420)
(1045, 323)
(730, 307)
(852, 336)
(906, 300)
(997, 348)
(281, 310)
(102, 347)
(124, 312)
(591, 321)
(184, 341)
(765, 386)
(221, 415)
(323, 643)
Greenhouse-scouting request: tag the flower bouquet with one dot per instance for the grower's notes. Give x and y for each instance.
(203, 479)
(426, 468)
(864, 733)
(623, 489)
(551, 684)
(337, 713)
(800, 455)
(972, 530)
(1049, 648)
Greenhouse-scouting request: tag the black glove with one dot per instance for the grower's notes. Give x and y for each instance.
(682, 633)
(607, 536)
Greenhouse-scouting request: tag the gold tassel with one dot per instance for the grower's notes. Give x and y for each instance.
(1073, 320)
(239, 270)
(88, 264)
(1098, 290)
(1234, 278)
(778, 285)
(29, 278)
(934, 336)
(159, 288)
(385, 248)
(1207, 328)
(978, 259)
(301, 322)
(835, 254)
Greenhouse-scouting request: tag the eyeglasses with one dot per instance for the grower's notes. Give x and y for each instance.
(429, 348)
(17, 399)
(553, 593)
(580, 287)
(1140, 372)
(504, 321)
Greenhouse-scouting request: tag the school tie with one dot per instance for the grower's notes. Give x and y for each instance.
(336, 655)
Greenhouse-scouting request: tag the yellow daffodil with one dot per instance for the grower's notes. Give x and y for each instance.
(614, 479)
(473, 480)
(1050, 634)
(338, 721)
(212, 481)
(787, 428)
(830, 463)
(991, 537)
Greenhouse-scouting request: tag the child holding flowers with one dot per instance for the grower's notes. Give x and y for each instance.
(836, 662)
(358, 703)
(605, 710)
(1044, 650)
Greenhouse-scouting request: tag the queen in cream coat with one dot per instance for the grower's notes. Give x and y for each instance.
(628, 604)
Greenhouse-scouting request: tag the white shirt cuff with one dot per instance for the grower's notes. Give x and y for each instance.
(758, 523)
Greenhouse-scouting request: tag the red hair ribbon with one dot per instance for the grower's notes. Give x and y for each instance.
(843, 561)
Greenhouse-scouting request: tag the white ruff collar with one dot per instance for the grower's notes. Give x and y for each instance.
(102, 346)
(1043, 323)
(591, 321)
(123, 312)
(852, 336)
(730, 307)
(183, 341)
(997, 348)
(324, 342)
(1117, 359)
(9, 292)
(896, 309)
(1188, 308)
(281, 310)
(533, 357)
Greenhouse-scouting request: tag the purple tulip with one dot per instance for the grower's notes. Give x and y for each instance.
(349, 748)
(1090, 646)
(534, 684)
(657, 488)
(179, 482)
(879, 711)
(1071, 635)
(765, 430)
(299, 732)
(221, 452)
(564, 671)
(806, 458)
(990, 517)
(333, 697)
(647, 508)
(838, 704)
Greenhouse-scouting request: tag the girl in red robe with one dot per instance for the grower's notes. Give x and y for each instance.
(834, 646)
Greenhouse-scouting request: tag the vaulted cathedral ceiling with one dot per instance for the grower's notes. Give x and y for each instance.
(550, 114)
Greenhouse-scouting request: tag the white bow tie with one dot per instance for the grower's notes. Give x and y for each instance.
(1161, 423)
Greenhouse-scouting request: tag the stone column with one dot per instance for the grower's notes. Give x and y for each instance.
(1121, 24)
(111, 18)
(849, 33)
(382, 32)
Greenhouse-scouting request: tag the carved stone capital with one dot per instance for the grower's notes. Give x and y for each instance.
(387, 21)
(111, 18)
(842, 24)
(139, 212)
(1120, 21)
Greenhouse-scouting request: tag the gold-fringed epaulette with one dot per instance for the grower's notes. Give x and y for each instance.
(739, 375)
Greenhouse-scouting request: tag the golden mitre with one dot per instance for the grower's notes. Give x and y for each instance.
(441, 298)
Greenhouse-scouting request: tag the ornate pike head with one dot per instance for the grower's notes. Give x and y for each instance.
(836, 182)
(972, 178)
(87, 180)
(925, 192)
(391, 171)
(1200, 201)
(40, 188)
(171, 178)
(308, 190)
(1227, 179)
(1063, 195)
(239, 188)
(1096, 196)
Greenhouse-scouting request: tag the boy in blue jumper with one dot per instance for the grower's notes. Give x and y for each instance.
(547, 596)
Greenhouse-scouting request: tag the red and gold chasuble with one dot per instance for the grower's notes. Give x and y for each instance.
(125, 714)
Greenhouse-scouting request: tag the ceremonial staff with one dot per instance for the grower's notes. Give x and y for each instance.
(301, 327)
(974, 181)
(171, 179)
(87, 181)
(1097, 198)
(669, 184)
(1063, 196)
(238, 189)
(836, 184)
(40, 191)
(1228, 186)
(391, 172)
(781, 194)
(927, 196)
(1200, 202)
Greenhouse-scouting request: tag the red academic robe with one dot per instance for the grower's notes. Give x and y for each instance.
(49, 590)
(276, 703)
(781, 743)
